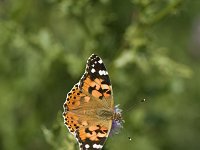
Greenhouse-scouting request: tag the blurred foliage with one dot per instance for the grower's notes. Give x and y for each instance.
(149, 50)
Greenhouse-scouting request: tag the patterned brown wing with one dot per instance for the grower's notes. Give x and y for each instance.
(96, 81)
(86, 106)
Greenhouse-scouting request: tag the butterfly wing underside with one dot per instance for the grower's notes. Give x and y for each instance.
(92, 92)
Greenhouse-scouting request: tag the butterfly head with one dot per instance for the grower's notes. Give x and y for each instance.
(117, 122)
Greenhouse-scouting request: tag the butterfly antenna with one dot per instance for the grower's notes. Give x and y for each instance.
(130, 108)
(127, 135)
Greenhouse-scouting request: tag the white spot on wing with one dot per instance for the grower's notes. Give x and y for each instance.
(87, 146)
(97, 146)
(100, 61)
(93, 70)
(103, 72)
(100, 72)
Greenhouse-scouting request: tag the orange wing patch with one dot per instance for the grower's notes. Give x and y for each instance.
(72, 121)
(92, 133)
(74, 99)
(96, 88)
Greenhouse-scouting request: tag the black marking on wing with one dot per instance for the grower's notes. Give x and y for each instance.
(95, 68)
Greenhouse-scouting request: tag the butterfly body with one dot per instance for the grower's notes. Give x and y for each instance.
(89, 109)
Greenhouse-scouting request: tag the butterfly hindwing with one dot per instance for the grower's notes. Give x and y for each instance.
(92, 137)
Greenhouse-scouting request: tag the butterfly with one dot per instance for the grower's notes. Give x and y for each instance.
(89, 111)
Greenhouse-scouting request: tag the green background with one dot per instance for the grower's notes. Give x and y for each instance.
(151, 49)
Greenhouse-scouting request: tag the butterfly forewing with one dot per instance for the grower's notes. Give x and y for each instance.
(95, 80)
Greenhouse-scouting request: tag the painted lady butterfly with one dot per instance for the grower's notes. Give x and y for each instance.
(89, 111)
